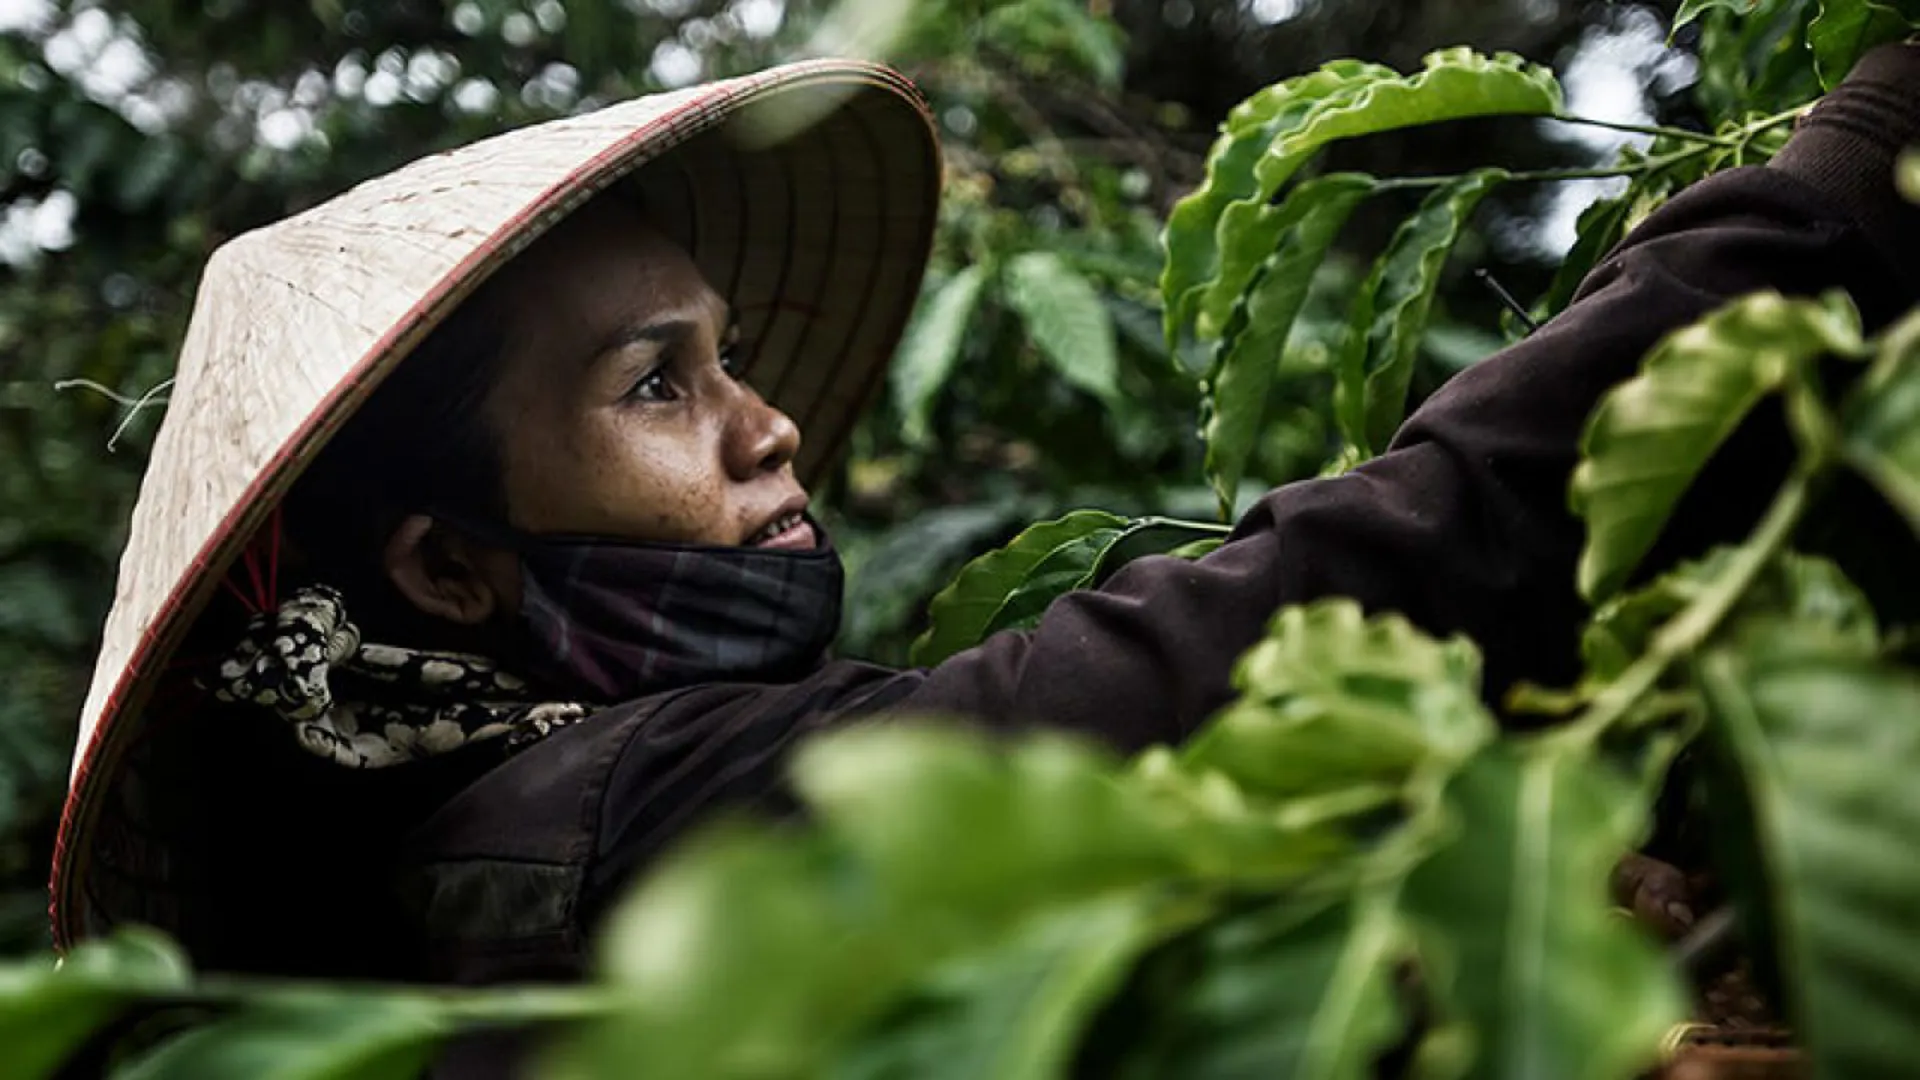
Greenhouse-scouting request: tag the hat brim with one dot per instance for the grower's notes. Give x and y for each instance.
(806, 194)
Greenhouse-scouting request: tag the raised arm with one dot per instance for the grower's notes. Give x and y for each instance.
(1463, 524)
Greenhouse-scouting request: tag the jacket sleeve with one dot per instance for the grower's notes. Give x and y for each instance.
(1463, 524)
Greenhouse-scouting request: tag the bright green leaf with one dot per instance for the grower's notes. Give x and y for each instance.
(1819, 750)
(1249, 355)
(1653, 434)
(1333, 699)
(47, 1014)
(960, 614)
(748, 952)
(331, 1037)
(953, 827)
(933, 345)
(1807, 588)
(1390, 314)
(1066, 320)
(1271, 135)
(1881, 420)
(1846, 29)
(1515, 925)
(1691, 10)
(1192, 233)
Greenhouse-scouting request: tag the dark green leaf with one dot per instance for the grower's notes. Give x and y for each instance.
(1066, 320)
(960, 614)
(1155, 536)
(47, 1014)
(1017, 1011)
(933, 344)
(1294, 989)
(1390, 314)
(340, 1037)
(1249, 354)
(1520, 944)
(1070, 566)
(1602, 226)
(1819, 750)
(1651, 435)
(1846, 29)
(1332, 699)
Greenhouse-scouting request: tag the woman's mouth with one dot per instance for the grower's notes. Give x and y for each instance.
(790, 531)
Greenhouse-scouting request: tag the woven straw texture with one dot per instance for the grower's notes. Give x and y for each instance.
(807, 195)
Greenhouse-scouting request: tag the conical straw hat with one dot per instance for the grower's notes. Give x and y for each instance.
(807, 194)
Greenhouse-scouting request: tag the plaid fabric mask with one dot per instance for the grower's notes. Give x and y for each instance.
(615, 620)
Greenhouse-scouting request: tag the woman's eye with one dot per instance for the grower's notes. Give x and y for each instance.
(653, 386)
(731, 361)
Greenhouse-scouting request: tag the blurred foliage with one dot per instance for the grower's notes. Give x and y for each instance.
(135, 135)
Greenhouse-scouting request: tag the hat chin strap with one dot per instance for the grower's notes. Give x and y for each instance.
(261, 559)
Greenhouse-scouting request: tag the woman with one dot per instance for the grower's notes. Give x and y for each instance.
(552, 596)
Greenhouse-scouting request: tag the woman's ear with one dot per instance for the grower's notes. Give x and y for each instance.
(448, 576)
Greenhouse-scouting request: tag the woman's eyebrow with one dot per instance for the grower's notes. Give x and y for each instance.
(661, 332)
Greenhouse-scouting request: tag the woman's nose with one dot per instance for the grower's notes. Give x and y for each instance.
(760, 438)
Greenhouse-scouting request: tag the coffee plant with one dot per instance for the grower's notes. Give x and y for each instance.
(1355, 868)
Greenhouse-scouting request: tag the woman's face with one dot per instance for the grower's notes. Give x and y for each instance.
(617, 410)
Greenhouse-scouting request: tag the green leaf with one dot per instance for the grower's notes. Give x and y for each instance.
(331, 1037)
(1515, 927)
(1820, 753)
(1805, 587)
(748, 952)
(946, 822)
(1333, 699)
(1192, 233)
(1156, 536)
(1881, 420)
(1653, 434)
(47, 1014)
(1017, 1011)
(960, 614)
(933, 344)
(1070, 566)
(1390, 314)
(1601, 228)
(1249, 355)
(1691, 10)
(1846, 29)
(1271, 135)
(1291, 989)
(1066, 320)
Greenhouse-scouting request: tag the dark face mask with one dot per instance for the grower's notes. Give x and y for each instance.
(615, 620)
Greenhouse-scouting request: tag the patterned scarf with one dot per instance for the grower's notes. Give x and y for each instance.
(604, 621)
(375, 706)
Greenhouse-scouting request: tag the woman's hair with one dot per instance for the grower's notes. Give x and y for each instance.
(421, 444)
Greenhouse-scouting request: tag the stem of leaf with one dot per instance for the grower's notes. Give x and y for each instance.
(1682, 134)
(1687, 631)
